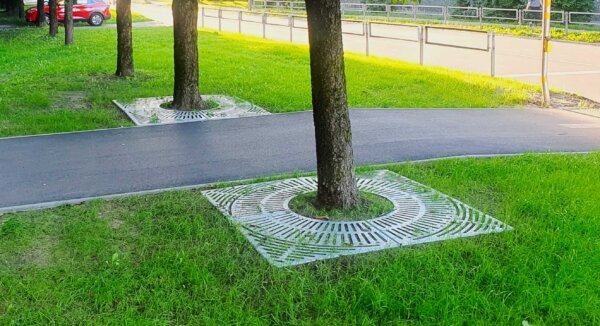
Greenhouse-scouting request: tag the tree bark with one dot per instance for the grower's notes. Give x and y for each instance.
(53, 8)
(186, 95)
(68, 22)
(335, 166)
(41, 16)
(7, 6)
(21, 8)
(124, 39)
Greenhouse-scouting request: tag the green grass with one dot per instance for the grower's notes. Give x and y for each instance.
(135, 17)
(225, 3)
(174, 259)
(221, 3)
(6, 19)
(558, 34)
(35, 71)
(369, 206)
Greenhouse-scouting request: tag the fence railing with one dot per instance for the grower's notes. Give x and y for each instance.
(446, 14)
(369, 30)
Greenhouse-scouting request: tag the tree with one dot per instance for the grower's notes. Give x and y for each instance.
(41, 17)
(186, 95)
(53, 8)
(68, 22)
(13, 7)
(124, 39)
(335, 167)
(21, 8)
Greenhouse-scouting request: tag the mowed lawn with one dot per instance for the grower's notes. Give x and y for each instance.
(174, 259)
(135, 17)
(46, 87)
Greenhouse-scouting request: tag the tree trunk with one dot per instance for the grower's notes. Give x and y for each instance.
(68, 22)
(186, 95)
(6, 5)
(10, 6)
(124, 39)
(335, 167)
(21, 8)
(53, 8)
(41, 17)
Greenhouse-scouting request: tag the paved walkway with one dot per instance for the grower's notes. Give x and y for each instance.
(45, 169)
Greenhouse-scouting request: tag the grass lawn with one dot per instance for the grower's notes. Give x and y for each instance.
(225, 3)
(173, 259)
(6, 19)
(222, 3)
(135, 17)
(369, 206)
(46, 87)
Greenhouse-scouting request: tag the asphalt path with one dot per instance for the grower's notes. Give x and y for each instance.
(42, 171)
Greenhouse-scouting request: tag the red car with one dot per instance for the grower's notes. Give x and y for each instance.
(92, 11)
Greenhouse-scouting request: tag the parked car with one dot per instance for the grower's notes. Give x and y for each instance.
(95, 12)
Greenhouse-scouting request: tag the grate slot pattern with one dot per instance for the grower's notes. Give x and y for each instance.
(284, 238)
(145, 111)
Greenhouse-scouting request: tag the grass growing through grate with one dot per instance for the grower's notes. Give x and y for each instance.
(35, 70)
(369, 206)
(173, 258)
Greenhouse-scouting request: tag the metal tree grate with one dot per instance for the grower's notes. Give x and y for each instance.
(145, 111)
(284, 238)
(170, 115)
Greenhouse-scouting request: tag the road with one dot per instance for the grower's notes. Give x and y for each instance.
(574, 67)
(41, 171)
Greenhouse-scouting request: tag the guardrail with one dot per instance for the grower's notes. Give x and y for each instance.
(395, 31)
(446, 14)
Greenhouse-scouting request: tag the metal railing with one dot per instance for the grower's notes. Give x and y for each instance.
(446, 14)
(393, 31)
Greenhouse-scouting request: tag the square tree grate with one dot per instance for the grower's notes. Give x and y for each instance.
(146, 111)
(284, 238)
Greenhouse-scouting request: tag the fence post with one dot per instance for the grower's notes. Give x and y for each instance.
(202, 17)
(250, 5)
(219, 19)
(547, 5)
(291, 23)
(480, 16)
(421, 44)
(240, 18)
(414, 10)
(366, 26)
(264, 24)
(387, 11)
(445, 13)
(364, 7)
(567, 16)
(493, 53)
(520, 17)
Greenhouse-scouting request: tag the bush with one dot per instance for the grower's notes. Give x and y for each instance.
(566, 5)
